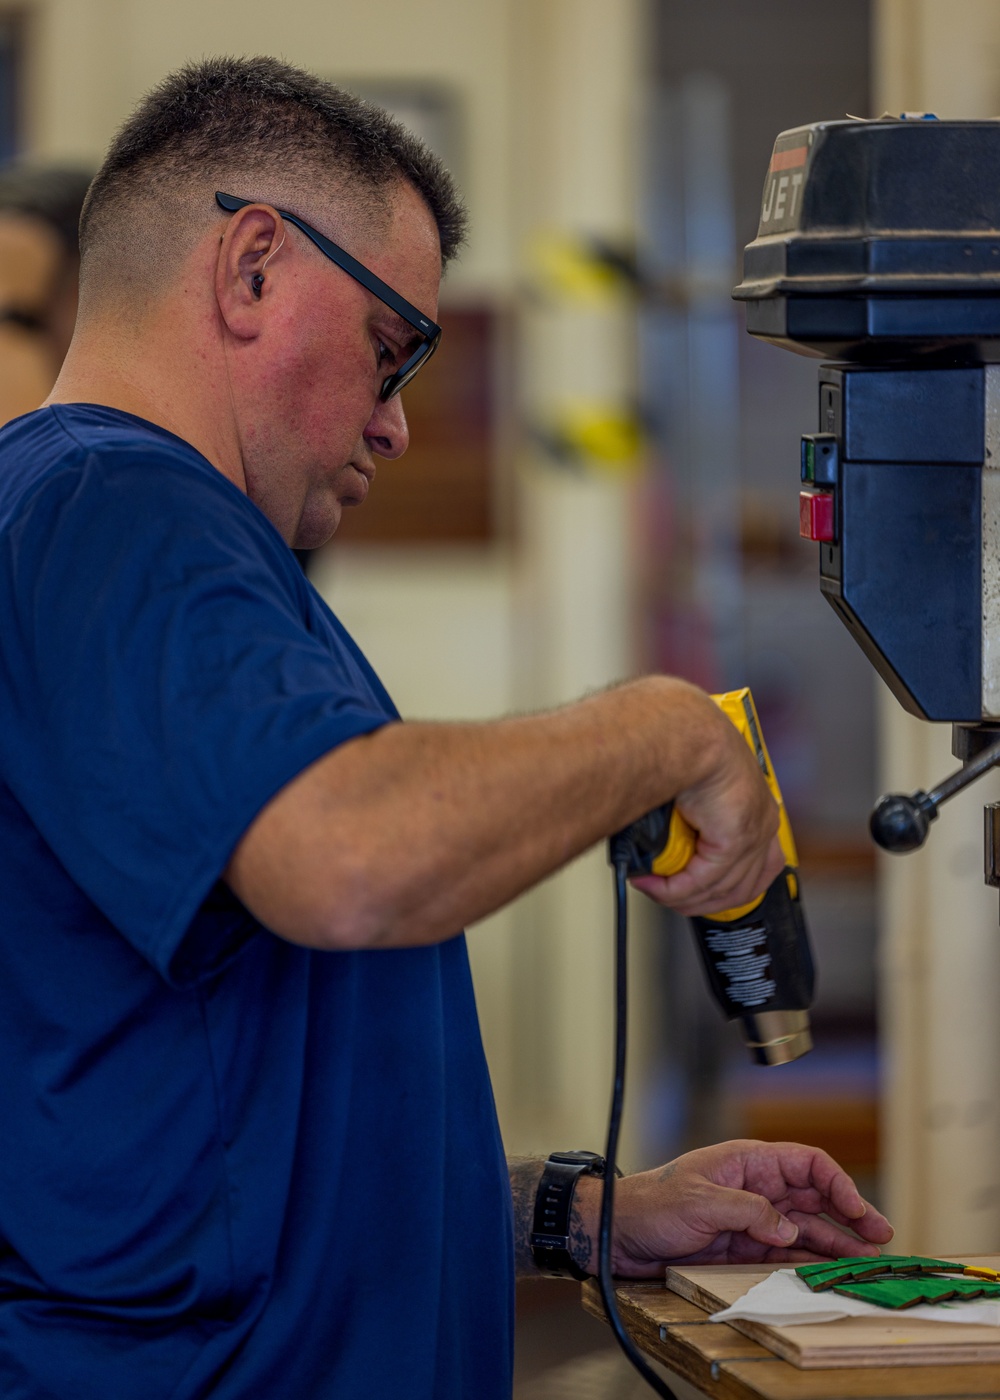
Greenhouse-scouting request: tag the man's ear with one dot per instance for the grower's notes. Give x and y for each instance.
(251, 237)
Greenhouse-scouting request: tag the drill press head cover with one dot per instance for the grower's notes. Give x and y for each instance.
(879, 242)
(879, 248)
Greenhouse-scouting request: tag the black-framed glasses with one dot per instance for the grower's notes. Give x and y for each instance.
(427, 328)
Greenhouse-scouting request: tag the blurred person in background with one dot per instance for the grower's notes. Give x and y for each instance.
(39, 278)
(250, 1141)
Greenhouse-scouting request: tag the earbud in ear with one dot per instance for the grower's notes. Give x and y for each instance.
(256, 282)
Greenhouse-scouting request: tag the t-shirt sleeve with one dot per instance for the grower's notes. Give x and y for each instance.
(163, 681)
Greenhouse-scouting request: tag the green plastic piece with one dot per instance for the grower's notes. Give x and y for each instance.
(898, 1293)
(830, 1273)
(824, 1266)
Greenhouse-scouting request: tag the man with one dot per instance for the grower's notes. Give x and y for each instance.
(251, 1145)
(39, 262)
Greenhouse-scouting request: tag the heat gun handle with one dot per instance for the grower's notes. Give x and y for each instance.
(660, 843)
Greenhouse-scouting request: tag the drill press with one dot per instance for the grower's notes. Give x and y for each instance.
(878, 249)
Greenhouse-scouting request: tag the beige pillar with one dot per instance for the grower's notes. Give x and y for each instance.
(940, 935)
(940, 995)
(579, 69)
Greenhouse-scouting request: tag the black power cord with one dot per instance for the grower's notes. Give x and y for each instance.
(606, 1282)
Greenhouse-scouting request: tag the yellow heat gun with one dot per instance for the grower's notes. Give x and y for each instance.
(757, 957)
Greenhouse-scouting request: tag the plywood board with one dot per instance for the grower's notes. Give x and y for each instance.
(851, 1341)
(723, 1365)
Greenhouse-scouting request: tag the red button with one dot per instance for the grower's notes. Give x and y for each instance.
(816, 515)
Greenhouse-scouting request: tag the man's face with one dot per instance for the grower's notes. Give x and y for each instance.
(312, 422)
(32, 271)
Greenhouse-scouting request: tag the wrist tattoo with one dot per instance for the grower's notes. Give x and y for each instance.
(525, 1174)
(581, 1245)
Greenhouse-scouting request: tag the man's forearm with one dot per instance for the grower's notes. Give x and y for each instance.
(405, 835)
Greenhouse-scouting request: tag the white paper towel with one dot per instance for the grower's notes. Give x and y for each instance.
(783, 1300)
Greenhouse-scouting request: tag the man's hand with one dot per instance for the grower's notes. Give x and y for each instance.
(730, 807)
(739, 1202)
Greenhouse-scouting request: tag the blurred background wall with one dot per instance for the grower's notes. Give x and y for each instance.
(602, 480)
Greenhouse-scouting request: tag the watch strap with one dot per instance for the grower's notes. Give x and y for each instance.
(553, 1206)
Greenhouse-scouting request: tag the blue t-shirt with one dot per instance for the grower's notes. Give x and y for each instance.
(230, 1166)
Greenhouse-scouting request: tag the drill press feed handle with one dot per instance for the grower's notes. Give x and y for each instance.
(900, 823)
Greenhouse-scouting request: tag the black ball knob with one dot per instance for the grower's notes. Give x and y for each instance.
(901, 823)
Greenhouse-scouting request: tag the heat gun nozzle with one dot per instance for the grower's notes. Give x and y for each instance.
(776, 1037)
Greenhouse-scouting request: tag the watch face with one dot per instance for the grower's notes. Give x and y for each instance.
(578, 1159)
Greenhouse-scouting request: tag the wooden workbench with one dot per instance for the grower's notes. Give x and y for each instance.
(725, 1365)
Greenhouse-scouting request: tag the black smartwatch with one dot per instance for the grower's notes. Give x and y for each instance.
(553, 1203)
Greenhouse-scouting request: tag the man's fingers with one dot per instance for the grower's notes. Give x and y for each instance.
(871, 1226)
(863, 1216)
(743, 881)
(825, 1238)
(746, 1213)
(809, 1180)
(704, 886)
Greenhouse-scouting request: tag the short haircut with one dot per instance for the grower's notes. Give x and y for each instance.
(265, 126)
